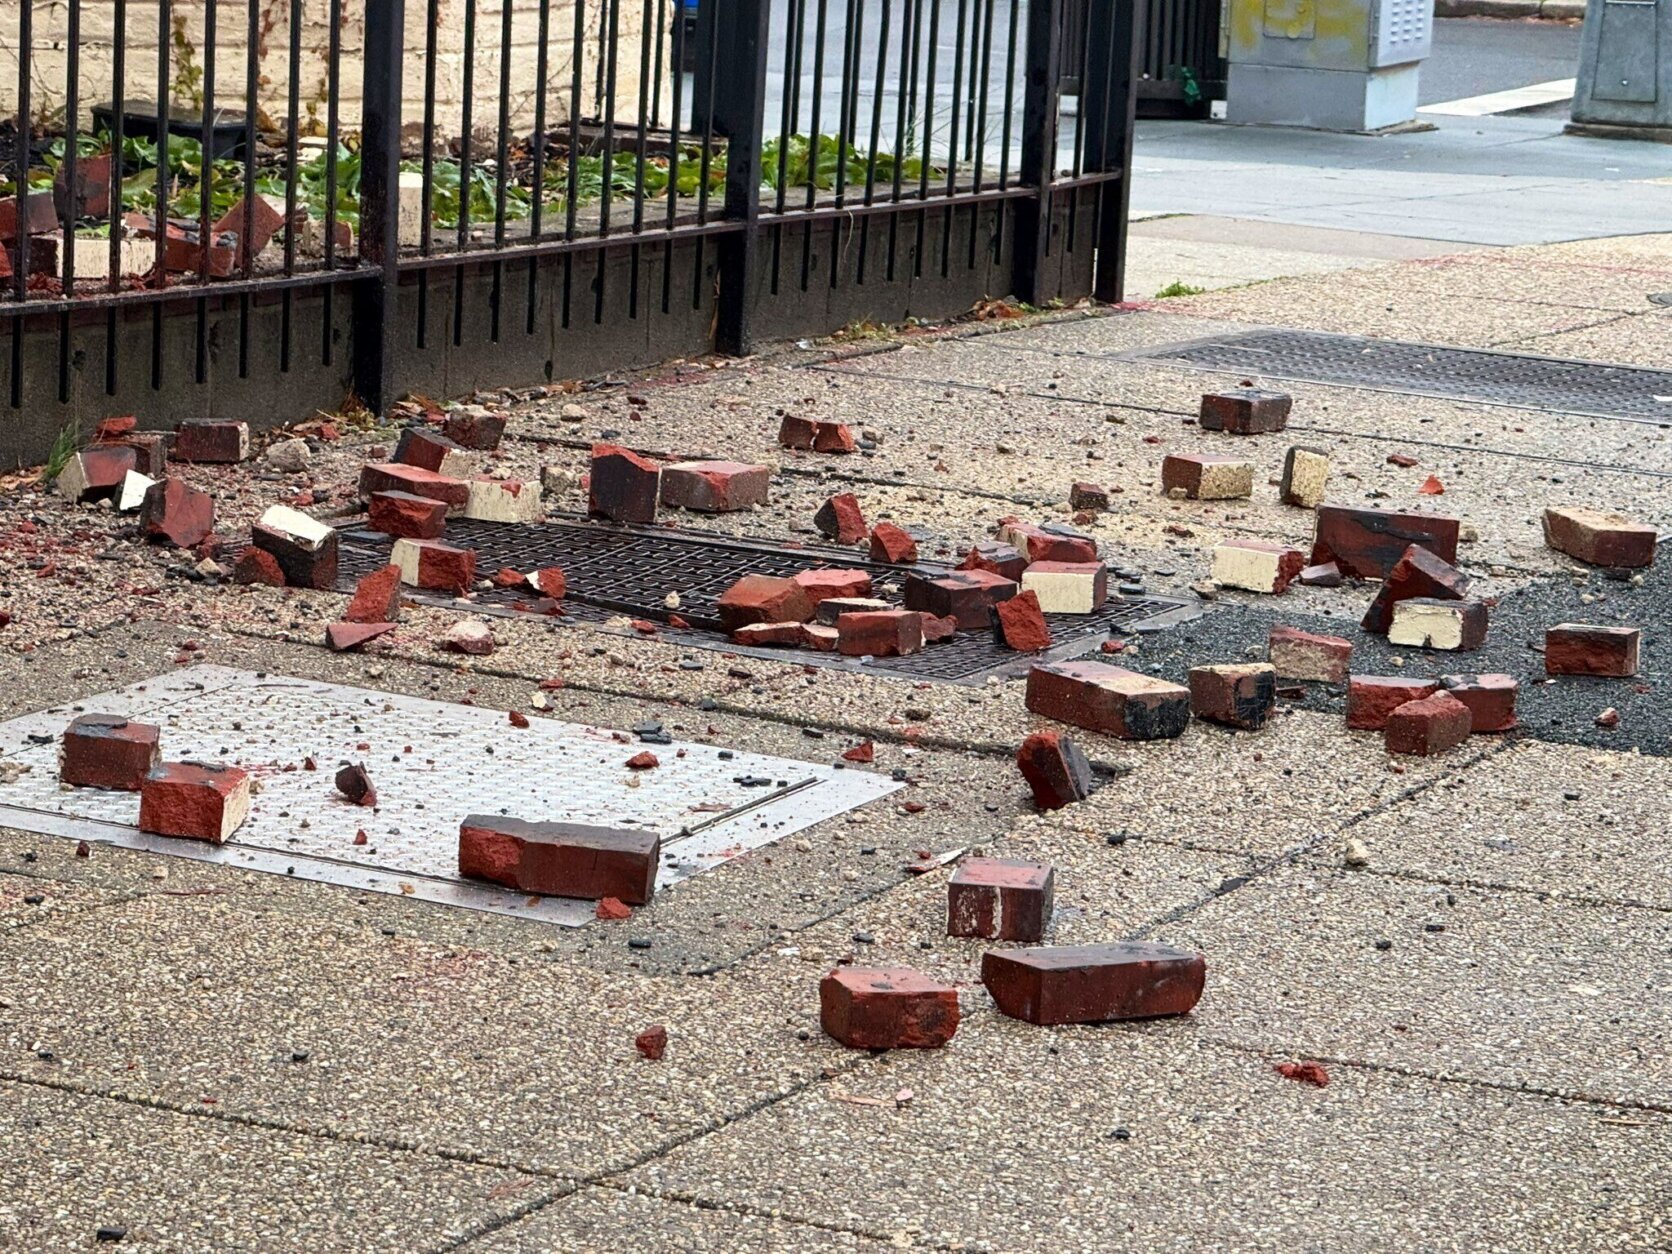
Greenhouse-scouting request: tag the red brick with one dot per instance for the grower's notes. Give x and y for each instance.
(1368, 543)
(840, 519)
(1241, 695)
(560, 859)
(1088, 496)
(820, 437)
(1094, 983)
(548, 581)
(435, 565)
(304, 547)
(474, 428)
(176, 514)
(469, 636)
(1207, 476)
(214, 442)
(823, 584)
(1300, 654)
(887, 1008)
(763, 599)
(1371, 698)
(715, 487)
(1109, 699)
(264, 222)
(377, 597)
(183, 254)
(1000, 559)
(1490, 698)
(966, 595)
(1436, 623)
(1056, 770)
(430, 450)
(825, 639)
(892, 544)
(415, 481)
(150, 450)
(1257, 565)
(1429, 726)
(1000, 899)
(652, 1043)
(39, 215)
(405, 514)
(109, 751)
(830, 609)
(346, 637)
(1045, 544)
(96, 472)
(258, 566)
(790, 635)
(937, 629)
(1599, 537)
(1587, 649)
(622, 486)
(1020, 624)
(879, 633)
(1245, 411)
(194, 800)
(355, 784)
(1417, 573)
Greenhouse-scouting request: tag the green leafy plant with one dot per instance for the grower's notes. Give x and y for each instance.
(188, 73)
(64, 446)
(1175, 288)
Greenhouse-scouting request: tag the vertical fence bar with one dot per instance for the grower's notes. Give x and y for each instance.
(71, 210)
(20, 156)
(426, 228)
(466, 128)
(294, 122)
(571, 193)
(205, 189)
(739, 101)
(119, 106)
(542, 66)
(375, 292)
(1108, 102)
(674, 124)
(645, 24)
(813, 139)
(929, 93)
(876, 134)
(611, 82)
(246, 228)
(159, 273)
(1041, 98)
(502, 163)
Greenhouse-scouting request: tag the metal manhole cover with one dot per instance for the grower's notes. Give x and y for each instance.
(1562, 385)
(462, 760)
(630, 570)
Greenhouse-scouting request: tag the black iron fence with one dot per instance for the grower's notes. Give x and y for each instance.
(271, 205)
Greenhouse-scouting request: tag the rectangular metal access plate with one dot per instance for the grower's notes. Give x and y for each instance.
(462, 760)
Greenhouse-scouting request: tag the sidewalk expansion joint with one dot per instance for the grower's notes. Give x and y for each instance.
(1495, 886)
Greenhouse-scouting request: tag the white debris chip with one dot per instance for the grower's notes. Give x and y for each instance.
(297, 526)
(132, 494)
(504, 500)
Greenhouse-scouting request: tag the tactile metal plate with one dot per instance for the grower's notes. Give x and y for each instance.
(631, 570)
(1560, 384)
(432, 763)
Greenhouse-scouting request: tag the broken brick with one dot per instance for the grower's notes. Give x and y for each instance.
(1109, 699)
(403, 514)
(353, 783)
(819, 437)
(347, 637)
(1312, 1073)
(830, 609)
(1245, 411)
(1256, 565)
(763, 599)
(715, 487)
(150, 450)
(1428, 726)
(1297, 654)
(644, 760)
(470, 636)
(1019, 623)
(435, 565)
(1056, 770)
(892, 544)
(96, 472)
(841, 520)
(432, 451)
(1323, 575)
(212, 442)
(131, 495)
(377, 597)
(1431, 623)
(176, 513)
(826, 639)
(999, 559)
(380, 477)
(1242, 695)
(886, 1008)
(304, 547)
(864, 751)
(652, 1043)
(622, 486)
(504, 501)
(560, 859)
(968, 596)
(1046, 544)
(1000, 899)
(1094, 983)
(1599, 537)
(1368, 543)
(1490, 698)
(1371, 698)
(258, 566)
(826, 583)
(33, 212)
(880, 633)
(108, 751)
(1088, 496)
(548, 581)
(1417, 573)
(1207, 476)
(474, 428)
(612, 909)
(194, 800)
(1586, 649)
(761, 635)
(1068, 587)
(937, 629)
(254, 221)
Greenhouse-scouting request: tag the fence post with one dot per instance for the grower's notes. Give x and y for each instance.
(1107, 103)
(739, 99)
(380, 166)
(1041, 102)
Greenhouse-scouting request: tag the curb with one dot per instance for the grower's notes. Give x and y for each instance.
(1554, 10)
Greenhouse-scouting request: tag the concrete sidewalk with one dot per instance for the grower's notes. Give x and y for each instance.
(201, 1057)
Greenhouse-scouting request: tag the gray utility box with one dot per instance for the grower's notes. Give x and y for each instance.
(1625, 69)
(1336, 65)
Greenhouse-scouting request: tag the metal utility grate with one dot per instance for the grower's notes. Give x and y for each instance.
(433, 763)
(1562, 385)
(631, 570)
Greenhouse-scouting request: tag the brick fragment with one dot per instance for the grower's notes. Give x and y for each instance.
(880, 633)
(304, 547)
(175, 513)
(1110, 699)
(937, 628)
(131, 495)
(840, 519)
(213, 442)
(194, 800)
(1019, 623)
(1000, 899)
(429, 450)
(652, 1043)
(789, 635)
(109, 751)
(1297, 654)
(261, 218)
(415, 481)
(819, 437)
(832, 608)
(644, 760)
(763, 599)
(1587, 649)
(715, 487)
(1305, 477)
(377, 597)
(825, 639)
(1094, 983)
(435, 565)
(150, 450)
(34, 212)
(1417, 573)
(408, 515)
(96, 472)
(1323, 575)
(548, 581)
(560, 859)
(1428, 726)
(1055, 768)
(1245, 411)
(1241, 695)
(1599, 537)
(968, 596)
(1068, 587)
(347, 637)
(504, 501)
(887, 1008)
(258, 566)
(1046, 544)
(612, 909)
(622, 486)
(827, 583)
(892, 544)
(999, 558)
(1256, 565)
(1088, 496)
(1431, 623)
(1490, 698)
(1368, 543)
(1371, 698)
(476, 428)
(469, 636)
(355, 784)
(1207, 476)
